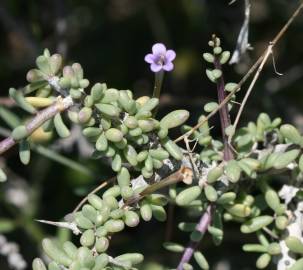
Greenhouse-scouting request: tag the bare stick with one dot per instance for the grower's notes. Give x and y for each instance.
(102, 185)
(249, 90)
(41, 117)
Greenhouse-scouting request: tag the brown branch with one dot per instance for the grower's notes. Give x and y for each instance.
(102, 185)
(40, 118)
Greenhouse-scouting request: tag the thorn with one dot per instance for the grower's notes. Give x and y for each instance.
(67, 225)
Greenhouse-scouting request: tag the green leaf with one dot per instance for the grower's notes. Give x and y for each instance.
(285, 159)
(60, 127)
(24, 152)
(11, 119)
(174, 119)
(188, 195)
(256, 224)
(173, 247)
(3, 176)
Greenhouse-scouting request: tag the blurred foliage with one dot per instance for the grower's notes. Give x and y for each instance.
(110, 40)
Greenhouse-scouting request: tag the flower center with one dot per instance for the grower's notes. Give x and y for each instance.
(161, 59)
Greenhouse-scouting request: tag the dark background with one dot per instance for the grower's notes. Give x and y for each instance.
(110, 40)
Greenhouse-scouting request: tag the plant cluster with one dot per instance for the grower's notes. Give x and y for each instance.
(252, 176)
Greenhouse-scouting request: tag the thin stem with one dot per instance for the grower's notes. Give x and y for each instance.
(159, 76)
(247, 75)
(250, 88)
(102, 185)
(40, 118)
(224, 114)
(158, 83)
(201, 227)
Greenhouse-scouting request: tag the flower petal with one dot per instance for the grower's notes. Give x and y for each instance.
(155, 67)
(169, 66)
(149, 58)
(159, 48)
(170, 55)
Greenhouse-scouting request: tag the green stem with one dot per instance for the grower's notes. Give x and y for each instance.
(157, 87)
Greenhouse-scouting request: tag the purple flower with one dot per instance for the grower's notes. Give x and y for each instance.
(160, 59)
